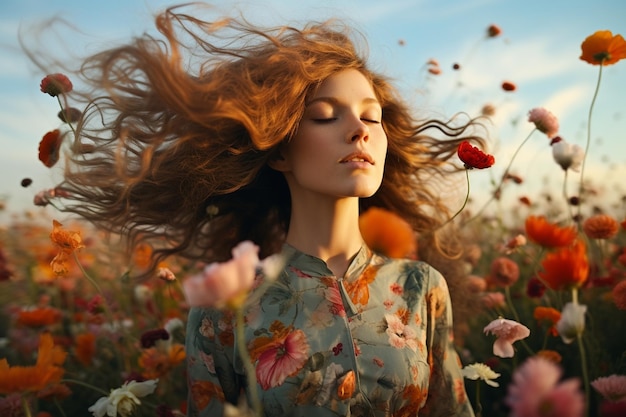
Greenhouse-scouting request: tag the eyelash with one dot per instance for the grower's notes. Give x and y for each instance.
(332, 119)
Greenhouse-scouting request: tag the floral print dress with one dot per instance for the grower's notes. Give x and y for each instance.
(376, 342)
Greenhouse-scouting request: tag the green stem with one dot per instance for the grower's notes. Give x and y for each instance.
(583, 364)
(27, 411)
(569, 207)
(84, 384)
(502, 179)
(464, 202)
(509, 300)
(66, 114)
(89, 278)
(582, 169)
(247, 362)
(478, 408)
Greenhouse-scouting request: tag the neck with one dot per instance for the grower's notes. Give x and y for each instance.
(327, 229)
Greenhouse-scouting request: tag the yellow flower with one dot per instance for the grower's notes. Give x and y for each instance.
(602, 48)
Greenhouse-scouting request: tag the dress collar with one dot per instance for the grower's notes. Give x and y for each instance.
(314, 266)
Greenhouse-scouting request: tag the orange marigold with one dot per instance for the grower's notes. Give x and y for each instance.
(566, 268)
(39, 317)
(549, 235)
(388, 233)
(602, 48)
(47, 370)
(600, 226)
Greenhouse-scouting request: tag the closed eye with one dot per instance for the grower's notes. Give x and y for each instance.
(371, 121)
(325, 120)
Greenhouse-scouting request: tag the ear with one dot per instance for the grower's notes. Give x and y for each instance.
(279, 161)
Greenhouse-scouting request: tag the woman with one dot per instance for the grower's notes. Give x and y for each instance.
(227, 132)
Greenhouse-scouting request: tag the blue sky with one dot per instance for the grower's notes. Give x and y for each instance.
(538, 50)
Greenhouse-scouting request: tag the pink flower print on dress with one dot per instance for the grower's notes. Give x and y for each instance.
(282, 359)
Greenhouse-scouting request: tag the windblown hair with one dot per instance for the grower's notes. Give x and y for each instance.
(174, 144)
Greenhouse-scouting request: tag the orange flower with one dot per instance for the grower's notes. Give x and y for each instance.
(85, 348)
(602, 48)
(67, 241)
(142, 255)
(548, 235)
(47, 370)
(346, 386)
(49, 148)
(493, 31)
(601, 226)
(566, 268)
(158, 362)
(358, 290)
(388, 233)
(39, 317)
(548, 315)
(551, 355)
(508, 86)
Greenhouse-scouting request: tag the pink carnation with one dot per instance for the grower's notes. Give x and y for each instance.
(544, 121)
(535, 388)
(507, 332)
(612, 388)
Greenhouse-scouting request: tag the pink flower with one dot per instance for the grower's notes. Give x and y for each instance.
(612, 387)
(400, 335)
(535, 391)
(493, 300)
(504, 272)
(221, 283)
(282, 359)
(544, 121)
(507, 332)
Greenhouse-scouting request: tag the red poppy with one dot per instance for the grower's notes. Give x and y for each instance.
(49, 148)
(493, 31)
(602, 48)
(473, 157)
(566, 268)
(55, 84)
(508, 86)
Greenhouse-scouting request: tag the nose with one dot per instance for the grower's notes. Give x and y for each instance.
(360, 131)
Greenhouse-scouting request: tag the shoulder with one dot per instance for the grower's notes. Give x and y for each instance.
(413, 272)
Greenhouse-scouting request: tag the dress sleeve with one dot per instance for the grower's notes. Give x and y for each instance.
(212, 379)
(446, 393)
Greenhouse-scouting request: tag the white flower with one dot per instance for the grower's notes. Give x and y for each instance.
(565, 154)
(123, 400)
(173, 324)
(572, 322)
(480, 371)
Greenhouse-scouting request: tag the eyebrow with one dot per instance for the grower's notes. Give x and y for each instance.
(334, 100)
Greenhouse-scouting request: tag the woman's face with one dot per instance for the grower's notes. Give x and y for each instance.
(340, 147)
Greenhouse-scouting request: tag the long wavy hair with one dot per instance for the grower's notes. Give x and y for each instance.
(174, 143)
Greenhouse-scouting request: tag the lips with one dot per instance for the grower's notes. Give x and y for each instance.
(358, 157)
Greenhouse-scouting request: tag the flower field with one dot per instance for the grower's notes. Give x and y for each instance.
(546, 335)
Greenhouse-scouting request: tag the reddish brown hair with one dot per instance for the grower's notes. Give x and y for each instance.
(174, 143)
